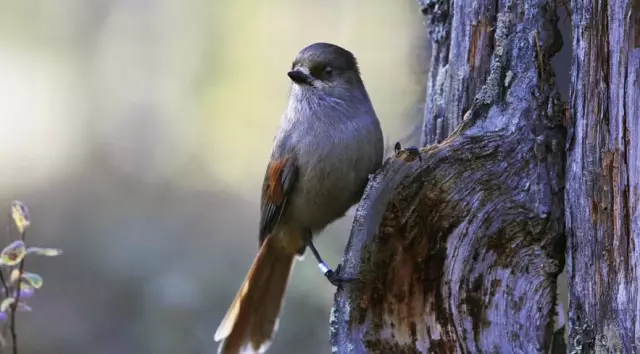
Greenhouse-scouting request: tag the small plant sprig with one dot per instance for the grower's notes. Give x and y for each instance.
(18, 285)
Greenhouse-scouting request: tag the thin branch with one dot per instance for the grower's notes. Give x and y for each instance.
(14, 306)
(5, 286)
(4, 283)
(2, 279)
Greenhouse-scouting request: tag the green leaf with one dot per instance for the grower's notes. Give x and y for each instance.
(15, 273)
(32, 279)
(6, 303)
(51, 252)
(26, 291)
(20, 215)
(13, 254)
(24, 307)
(29, 280)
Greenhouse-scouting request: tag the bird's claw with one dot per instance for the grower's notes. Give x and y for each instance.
(335, 278)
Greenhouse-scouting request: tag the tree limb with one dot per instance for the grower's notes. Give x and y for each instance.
(460, 252)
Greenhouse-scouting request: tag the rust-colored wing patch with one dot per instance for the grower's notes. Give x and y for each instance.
(278, 183)
(274, 180)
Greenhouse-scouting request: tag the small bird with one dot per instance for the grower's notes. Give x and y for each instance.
(328, 143)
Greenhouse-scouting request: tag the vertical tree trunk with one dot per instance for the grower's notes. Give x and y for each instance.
(603, 178)
(460, 61)
(458, 250)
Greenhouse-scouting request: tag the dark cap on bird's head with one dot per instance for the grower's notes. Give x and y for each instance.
(322, 62)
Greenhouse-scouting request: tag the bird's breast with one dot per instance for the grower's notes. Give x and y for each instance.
(334, 165)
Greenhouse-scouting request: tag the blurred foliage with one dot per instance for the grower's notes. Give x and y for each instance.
(138, 132)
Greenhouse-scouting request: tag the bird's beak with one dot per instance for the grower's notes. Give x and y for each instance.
(300, 77)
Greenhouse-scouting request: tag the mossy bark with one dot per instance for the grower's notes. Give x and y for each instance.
(459, 251)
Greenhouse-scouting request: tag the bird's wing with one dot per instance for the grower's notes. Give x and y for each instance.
(278, 182)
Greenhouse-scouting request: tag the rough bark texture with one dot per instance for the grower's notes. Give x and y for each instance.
(459, 61)
(603, 178)
(459, 252)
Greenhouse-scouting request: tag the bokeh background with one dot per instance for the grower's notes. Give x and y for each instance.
(137, 132)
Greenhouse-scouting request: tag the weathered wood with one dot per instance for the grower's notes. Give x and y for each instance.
(459, 61)
(603, 178)
(460, 252)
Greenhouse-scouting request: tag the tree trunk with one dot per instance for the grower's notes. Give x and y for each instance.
(458, 251)
(460, 62)
(603, 178)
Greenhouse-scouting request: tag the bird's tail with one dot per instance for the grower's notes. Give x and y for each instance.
(252, 318)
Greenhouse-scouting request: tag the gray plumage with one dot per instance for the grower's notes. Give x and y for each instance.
(328, 143)
(331, 129)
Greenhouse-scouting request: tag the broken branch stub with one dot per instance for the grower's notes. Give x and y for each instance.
(460, 252)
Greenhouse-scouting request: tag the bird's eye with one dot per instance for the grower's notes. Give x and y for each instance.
(321, 72)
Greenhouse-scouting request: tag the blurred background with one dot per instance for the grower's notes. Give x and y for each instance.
(138, 132)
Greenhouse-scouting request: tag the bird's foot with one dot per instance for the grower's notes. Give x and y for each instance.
(332, 276)
(336, 279)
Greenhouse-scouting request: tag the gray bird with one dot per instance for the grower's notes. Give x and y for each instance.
(328, 143)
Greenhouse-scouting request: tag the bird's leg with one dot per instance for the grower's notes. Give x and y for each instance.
(331, 275)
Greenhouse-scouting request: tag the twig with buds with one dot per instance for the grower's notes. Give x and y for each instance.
(21, 285)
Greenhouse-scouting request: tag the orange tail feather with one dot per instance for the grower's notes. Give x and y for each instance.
(252, 317)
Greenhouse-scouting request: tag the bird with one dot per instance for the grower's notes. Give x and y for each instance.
(329, 141)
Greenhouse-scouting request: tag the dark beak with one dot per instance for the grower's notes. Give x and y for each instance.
(299, 77)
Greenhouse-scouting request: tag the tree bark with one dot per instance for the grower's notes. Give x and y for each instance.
(458, 251)
(460, 61)
(603, 178)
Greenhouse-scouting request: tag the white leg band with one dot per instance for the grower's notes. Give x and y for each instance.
(323, 267)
